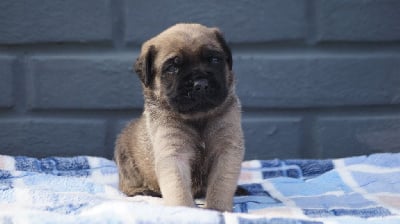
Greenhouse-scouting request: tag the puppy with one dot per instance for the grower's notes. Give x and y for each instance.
(188, 142)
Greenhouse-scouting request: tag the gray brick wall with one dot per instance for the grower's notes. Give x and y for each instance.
(317, 78)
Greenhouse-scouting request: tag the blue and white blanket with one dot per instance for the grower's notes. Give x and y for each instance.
(363, 190)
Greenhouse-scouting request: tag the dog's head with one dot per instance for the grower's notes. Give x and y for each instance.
(187, 69)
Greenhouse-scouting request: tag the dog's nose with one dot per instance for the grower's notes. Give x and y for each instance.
(200, 85)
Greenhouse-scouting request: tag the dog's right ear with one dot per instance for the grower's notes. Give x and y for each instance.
(144, 65)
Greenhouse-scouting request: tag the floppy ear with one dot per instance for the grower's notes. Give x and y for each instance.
(144, 65)
(224, 45)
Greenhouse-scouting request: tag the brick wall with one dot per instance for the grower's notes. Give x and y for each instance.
(317, 78)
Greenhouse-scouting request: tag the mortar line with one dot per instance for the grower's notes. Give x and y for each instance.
(239, 49)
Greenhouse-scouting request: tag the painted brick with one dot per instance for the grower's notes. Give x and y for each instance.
(269, 138)
(84, 82)
(31, 21)
(250, 21)
(367, 20)
(357, 135)
(314, 81)
(6, 82)
(49, 137)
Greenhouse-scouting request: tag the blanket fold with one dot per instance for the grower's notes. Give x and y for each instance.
(83, 189)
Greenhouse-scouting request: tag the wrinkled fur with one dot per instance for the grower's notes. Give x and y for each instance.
(182, 155)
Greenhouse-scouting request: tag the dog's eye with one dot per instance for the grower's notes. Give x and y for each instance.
(214, 60)
(173, 65)
(172, 69)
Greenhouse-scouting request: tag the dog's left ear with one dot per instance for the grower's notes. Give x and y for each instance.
(144, 65)
(224, 45)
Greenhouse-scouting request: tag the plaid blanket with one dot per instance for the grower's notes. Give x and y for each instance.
(364, 189)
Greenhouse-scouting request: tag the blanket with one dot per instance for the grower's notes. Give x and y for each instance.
(363, 189)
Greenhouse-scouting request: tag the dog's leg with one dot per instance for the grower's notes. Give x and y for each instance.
(222, 181)
(227, 146)
(172, 165)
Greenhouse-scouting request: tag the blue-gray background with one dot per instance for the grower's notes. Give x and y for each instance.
(317, 78)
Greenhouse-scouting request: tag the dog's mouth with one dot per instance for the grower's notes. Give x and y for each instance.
(198, 95)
